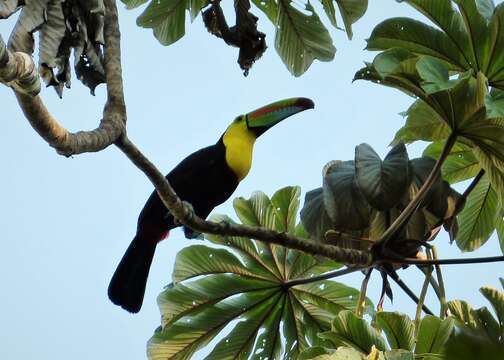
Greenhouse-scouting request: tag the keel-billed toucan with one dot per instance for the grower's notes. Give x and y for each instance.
(205, 179)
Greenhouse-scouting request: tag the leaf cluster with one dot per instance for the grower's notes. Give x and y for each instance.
(300, 35)
(401, 341)
(364, 196)
(63, 27)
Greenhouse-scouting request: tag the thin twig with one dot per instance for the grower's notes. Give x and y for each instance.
(442, 291)
(412, 261)
(434, 284)
(393, 275)
(359, 310)
(423, 294)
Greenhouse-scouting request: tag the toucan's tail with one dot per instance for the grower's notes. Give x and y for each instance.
(127, 286)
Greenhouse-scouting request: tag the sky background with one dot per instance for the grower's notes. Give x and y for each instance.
(66, 222)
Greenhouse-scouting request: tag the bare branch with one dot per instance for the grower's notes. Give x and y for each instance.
(67, 143)
(412, 261)
(185, 215)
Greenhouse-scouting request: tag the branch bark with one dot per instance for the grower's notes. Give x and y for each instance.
(18, 71)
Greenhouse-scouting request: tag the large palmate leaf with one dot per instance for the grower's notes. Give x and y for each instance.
(246, 287)
(464, 38)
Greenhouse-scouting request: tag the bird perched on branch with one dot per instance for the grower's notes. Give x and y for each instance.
(205, 179)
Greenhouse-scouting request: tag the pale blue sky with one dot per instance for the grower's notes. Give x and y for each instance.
(66, 222)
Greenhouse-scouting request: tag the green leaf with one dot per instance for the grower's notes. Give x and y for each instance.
(350, 330)
(258, 211)
(485, 8)
(462, 40)
(167, 18)
(434, 74)
(494, 168)
(181, 339)
(342, 353)
(496, 298)
(417, 37)
(180, 299)
(330, 11)
(132, 4)
(238, 344)
(433, 334)
(344, 203)
(480, 321)
(315, 352)
(441, 13)
(198, 260)
(301, 38)
(478, 218)
(269, 8)
(422, 123)
(400, 355)
(460, 165)
(464, 313)
(383, 183)
(314, 215)
(499, 226)
(400, 330)
(325, 299)
(494, 103)
(481, 41)
(351, 11)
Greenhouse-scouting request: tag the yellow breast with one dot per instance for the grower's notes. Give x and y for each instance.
(239, 143)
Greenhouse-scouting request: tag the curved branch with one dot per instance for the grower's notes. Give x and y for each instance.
(184, 213)
(111, 127)
(18, 71)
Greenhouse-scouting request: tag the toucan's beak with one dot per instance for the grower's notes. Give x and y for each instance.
(266, 117)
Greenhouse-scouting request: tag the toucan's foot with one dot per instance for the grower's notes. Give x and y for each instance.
(192, 234)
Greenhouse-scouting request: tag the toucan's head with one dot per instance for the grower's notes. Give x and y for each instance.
(240, 136)
(258, 121)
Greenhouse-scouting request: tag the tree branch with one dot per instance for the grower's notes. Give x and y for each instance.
(411, 261)
(186, 216)
(18, 71)
(25, 83)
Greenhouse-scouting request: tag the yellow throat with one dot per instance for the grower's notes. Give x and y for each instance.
(239, 142)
